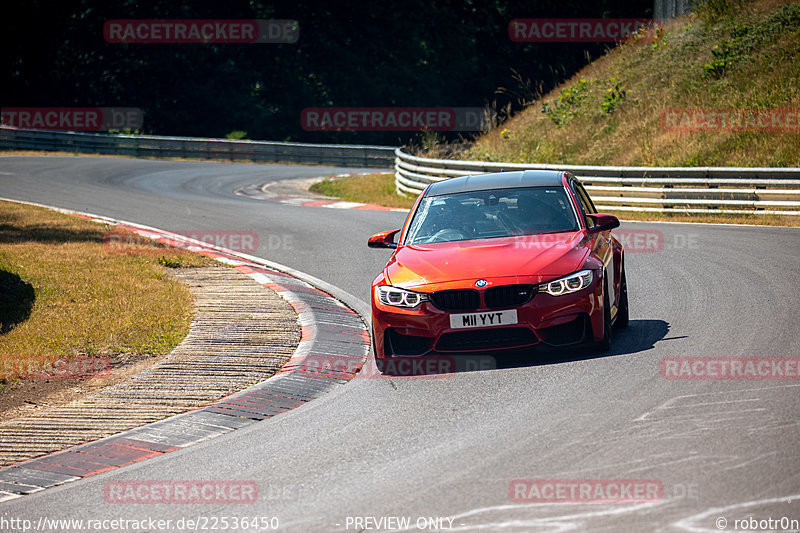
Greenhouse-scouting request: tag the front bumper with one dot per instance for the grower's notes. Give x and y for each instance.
(557, 321)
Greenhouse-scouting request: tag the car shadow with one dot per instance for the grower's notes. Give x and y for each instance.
(638, 336)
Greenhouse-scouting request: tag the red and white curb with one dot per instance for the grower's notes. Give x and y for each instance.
(262, 192)
(334, 347)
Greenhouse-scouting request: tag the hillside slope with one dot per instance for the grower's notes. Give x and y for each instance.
(666, 99)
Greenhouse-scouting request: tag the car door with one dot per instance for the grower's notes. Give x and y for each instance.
(602, 244)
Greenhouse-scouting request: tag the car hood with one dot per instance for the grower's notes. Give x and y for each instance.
(461, 263)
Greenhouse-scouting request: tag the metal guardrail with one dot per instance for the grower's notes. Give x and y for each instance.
(734, 190)
(193, 147)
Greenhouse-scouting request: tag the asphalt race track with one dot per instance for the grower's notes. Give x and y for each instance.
(449, 447)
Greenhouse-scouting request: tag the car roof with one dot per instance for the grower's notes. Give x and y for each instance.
(496, 180)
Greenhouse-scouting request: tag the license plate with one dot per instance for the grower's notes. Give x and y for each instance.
(483, 320)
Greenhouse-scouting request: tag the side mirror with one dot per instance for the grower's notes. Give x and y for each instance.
(603, 222)
(384, 239)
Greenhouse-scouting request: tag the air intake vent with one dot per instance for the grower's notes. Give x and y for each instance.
(485, 339)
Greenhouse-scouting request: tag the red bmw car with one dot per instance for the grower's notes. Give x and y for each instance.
(499, 261)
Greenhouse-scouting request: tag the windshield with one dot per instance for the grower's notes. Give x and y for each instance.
(491, 214)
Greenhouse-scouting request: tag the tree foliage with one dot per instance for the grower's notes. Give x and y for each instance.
(415, 53)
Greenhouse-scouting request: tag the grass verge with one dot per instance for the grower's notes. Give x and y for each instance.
(375, 189)
(65, 293)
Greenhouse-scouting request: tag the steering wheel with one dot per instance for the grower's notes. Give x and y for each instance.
(445, 235)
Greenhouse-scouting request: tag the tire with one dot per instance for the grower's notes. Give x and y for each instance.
(608, 332)
(623, 312)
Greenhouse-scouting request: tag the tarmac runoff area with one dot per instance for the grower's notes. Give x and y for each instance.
(251, 321)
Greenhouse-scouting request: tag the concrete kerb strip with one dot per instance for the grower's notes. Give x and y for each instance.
(333, 348)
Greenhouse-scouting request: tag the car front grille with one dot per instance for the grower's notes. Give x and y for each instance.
(508, 296)
(460, 300)
(457, 300)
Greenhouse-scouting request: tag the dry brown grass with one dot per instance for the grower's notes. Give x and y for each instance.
(75, 295)
(378, 189)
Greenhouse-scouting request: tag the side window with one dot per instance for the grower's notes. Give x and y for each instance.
(586, 203)
(585, 200)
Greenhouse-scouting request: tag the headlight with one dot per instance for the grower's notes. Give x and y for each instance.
(396, 297)
(568, 284)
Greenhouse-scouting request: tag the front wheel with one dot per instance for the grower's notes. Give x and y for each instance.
(608, 332)
(623, 313)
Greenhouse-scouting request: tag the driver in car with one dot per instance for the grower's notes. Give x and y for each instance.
(534, 214)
